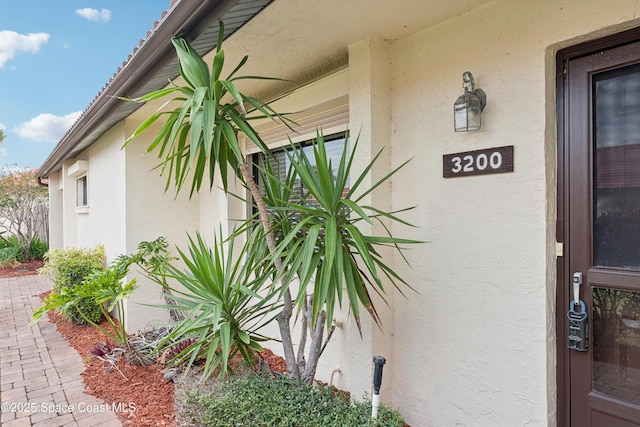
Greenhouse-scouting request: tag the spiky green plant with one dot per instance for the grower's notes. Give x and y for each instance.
(326, 244)
(220, 294)
(200, 133)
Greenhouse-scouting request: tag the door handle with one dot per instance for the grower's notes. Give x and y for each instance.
(577, 327)
(577, 281)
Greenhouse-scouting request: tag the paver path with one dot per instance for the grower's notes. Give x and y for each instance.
(40, 382)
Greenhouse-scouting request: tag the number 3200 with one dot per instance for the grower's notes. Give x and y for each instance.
(493, 160)
(480, 162)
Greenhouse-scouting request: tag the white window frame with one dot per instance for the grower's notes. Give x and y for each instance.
(82, 192)
(79, 171)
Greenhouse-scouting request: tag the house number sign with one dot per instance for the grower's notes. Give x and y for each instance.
(478, 162)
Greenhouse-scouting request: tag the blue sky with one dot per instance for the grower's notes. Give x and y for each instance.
(55, 57)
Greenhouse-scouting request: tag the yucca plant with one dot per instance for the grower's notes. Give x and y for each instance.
(198, 137)
(319, 242)
(326, 244)
(200, 133)
(220, 294)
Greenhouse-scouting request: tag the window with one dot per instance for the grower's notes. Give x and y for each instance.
(79, 171)
(82, 199)
(334, 145)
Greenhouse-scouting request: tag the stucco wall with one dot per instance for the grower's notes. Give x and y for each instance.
(104, 220)
(150, 213)
(476, 345)
(56, 221)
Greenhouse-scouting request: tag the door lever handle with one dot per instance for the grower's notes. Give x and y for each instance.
(577, 281)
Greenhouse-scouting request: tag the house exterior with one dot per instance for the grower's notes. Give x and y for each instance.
(485, 338)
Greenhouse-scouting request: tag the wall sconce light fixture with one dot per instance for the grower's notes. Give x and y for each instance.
(468, 108)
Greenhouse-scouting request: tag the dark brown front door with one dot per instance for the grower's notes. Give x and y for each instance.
(601, 204)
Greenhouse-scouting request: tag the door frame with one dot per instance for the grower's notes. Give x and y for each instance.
(562, 274)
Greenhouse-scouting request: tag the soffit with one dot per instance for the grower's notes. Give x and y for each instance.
(302, 40)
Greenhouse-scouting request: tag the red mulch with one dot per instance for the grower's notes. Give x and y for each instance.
(143, 387)
(21, 269)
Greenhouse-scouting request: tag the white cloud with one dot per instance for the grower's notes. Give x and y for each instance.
(2, 127)
(46, 127)
(102, 15)
(12, 43)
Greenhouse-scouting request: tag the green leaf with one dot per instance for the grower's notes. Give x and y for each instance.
(357, 209)
(192, 67)
(216, 69)
(244, 337)
(231, 88)
(220, 36)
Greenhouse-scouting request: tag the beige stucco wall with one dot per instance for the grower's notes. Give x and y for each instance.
(56, 219)
(476, 346)
(104, 220)
(150, 213)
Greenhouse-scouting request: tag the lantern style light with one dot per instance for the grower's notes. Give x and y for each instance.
(467, 110)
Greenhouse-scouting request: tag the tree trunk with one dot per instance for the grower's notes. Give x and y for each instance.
(317, 332)
(284, 318)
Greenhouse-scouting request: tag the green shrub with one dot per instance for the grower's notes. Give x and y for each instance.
(266, 401)
(12, 251)
(69, 268)
(89, 308)
(38, 248)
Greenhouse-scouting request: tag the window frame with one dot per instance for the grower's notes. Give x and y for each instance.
(254, 158)
(82, 193)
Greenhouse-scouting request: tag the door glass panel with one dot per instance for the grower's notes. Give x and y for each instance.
(616, 343)
(616, 222)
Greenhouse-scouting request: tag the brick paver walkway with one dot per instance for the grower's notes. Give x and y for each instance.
(40, 382)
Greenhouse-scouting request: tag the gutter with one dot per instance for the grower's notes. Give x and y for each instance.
(187, 17)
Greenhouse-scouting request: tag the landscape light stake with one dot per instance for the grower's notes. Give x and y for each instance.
(379, 362)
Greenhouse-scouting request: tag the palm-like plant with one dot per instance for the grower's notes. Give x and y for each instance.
(224, 309)
(200, 136)
(201, 132)
(319, 242)
(326, 243)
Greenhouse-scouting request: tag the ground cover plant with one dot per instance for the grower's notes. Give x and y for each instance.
(263, 400)
(12, 250)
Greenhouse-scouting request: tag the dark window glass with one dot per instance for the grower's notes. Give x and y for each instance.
(334, 145)
(616, 186)
(81, 192)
